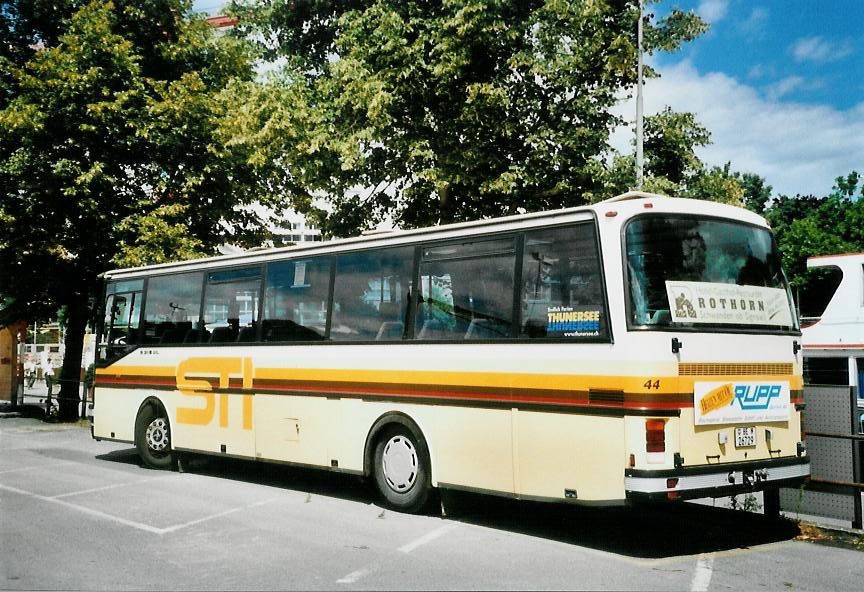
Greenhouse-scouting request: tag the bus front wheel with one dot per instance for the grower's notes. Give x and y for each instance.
(402, 474)
(153, 437)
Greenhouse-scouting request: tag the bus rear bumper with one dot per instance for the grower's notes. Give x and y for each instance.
(715, 480)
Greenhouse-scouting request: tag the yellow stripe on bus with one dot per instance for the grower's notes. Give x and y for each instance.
(150, 371)
(654, 384)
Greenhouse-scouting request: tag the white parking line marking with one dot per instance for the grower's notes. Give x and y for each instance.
(354, 576)
(702, 575)
(37, 467)
(105, 488)
(177, 527)
(97, 513)
(428, 537)
(124, 521)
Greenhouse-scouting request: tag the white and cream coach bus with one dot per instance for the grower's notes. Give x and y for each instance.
(643, 348)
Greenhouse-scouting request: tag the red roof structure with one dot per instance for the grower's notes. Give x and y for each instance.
(221, 22)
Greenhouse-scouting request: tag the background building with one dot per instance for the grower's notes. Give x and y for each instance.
(297, 231)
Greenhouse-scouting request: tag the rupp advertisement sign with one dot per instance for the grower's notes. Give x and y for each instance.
(741, 402)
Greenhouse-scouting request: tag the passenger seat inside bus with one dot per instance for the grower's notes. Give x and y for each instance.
(195, 336)
(223, 335)
(435, 329)
(285, 330)
(160, 328)
(486, 329)
(246, 335)
(390, 331)
(660, 317)
(176, 333)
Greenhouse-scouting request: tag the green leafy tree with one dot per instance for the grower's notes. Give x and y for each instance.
(756, 193)
(671, 140)
(848, 186)
(26, 25)
(807, 226)
(672, 166)
(114, 150)
(716, 183)
(445, 110)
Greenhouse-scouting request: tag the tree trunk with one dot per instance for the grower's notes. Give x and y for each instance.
(70, 375)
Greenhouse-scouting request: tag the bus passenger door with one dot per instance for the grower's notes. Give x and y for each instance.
(301, 430)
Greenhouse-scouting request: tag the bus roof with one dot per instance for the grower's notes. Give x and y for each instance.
(627, 204)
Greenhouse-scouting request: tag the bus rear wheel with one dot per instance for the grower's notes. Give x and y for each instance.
(401, 469)
(153, 437)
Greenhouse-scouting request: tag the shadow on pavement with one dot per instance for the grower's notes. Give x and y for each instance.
(641, 531)
(314, 481)
(22, 410)
(127, 456)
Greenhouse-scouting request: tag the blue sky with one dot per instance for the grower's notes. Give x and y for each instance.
(808, 51)
(209, 6)
(779, 83)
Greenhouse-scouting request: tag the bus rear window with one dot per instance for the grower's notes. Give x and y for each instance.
(686, 271)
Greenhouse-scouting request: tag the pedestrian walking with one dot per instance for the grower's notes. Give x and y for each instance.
(47, 371)
(30, 373)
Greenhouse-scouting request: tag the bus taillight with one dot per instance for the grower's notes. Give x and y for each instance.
(655, 435)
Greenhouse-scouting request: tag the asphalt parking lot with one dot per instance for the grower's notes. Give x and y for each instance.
(82, 515)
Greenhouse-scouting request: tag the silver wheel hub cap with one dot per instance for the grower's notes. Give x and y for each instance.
(400, 463)
(157, 435)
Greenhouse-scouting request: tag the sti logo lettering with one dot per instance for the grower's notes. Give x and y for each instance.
(756, 396)
(195, 378)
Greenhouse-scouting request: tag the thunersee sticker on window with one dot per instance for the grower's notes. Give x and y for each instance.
(706, 302)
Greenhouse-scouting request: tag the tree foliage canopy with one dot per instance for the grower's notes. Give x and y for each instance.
(672, 166)
(114, 148)
(807, 226)
(431, 111)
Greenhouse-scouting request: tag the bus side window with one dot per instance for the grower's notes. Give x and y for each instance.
(562, 287)
(370, 295)
(172, 312)
(295, 300)
(466, 290)
(231, 304)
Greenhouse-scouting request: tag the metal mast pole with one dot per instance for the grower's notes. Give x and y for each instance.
(639, 122)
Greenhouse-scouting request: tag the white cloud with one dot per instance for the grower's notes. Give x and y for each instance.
(757, 71)
(755, 23)
(712, 10)
(816, 49)
(798, 148)
(784, 87)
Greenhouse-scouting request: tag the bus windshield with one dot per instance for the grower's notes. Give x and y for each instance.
(702, 273)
